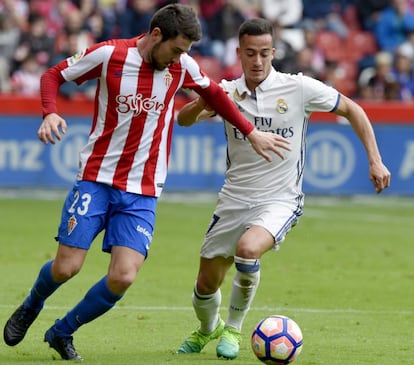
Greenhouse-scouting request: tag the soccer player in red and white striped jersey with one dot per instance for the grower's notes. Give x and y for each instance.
(123, 166)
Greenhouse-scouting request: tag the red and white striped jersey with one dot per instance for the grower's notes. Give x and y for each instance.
(130, 137)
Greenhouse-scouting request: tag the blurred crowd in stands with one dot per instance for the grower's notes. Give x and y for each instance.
(364, 48)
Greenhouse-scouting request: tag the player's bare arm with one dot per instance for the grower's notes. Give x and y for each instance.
(195, 110)
(52, 126)
(378, 172)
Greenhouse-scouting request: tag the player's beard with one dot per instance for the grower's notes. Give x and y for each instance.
(154, 61)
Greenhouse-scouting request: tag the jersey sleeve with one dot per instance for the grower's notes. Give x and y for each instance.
(319, 97)
(86, 65)
(49, 87)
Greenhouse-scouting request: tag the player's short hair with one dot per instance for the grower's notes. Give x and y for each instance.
(176, 19)
(256, 26)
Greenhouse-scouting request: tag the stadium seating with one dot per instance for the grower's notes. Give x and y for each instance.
(330, 44)
(360, 44)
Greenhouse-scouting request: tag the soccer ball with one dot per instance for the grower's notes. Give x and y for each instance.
(277, 340)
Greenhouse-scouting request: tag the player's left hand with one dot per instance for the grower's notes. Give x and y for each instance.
(267, 141)
(380, 176)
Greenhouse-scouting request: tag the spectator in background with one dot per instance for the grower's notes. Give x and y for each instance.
(96, 25)
(111, 11)
(327, 15)
(203, 47)
(26, 79)
(35, 42)
(284, 59)
(334, 75)
(287, 13)
(378, 83)
(249, 8)
(9, 38)
(393, 25)
(136, 18)
(162, 3)
(222, 29)
(209, 8)
(403, 71)
(310, 60)
(368, 12)
(74, 23)
(54, 12)
(17, 11)
(409, 43)
(311, 57)
(304, 63)
(86, 7)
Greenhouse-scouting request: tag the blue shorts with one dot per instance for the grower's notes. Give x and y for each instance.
(128, 219)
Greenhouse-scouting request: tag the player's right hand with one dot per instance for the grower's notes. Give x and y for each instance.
(380, 176)
(50, 128)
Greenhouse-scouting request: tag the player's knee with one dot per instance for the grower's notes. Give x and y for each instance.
(120, 282)
(247, 251)
(63, 272)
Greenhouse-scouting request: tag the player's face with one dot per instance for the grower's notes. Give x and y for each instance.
(256, 53)
(168, 52)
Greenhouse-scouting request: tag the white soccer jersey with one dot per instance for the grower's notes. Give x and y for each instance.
(130, 138)
(282, 104)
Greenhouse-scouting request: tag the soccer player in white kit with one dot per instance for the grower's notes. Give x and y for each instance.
(260, 201)
(123, 166)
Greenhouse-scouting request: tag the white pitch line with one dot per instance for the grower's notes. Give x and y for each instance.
(255, 309)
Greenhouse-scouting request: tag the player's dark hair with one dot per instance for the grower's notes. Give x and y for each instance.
(255, 26)
(175, 19)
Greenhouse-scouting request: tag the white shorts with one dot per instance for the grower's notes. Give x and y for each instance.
(232, 218)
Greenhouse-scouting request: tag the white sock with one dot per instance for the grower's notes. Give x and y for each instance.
(207, 310)
(245, 283)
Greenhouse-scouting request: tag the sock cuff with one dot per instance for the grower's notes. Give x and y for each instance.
(204, 296)
(107, 294)
(247, 265)
(46, 272)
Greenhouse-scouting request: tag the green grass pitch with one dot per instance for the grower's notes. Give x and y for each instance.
(344, 274)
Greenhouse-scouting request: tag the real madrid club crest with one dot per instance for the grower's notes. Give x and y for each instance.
(167, 79)
(281, 106)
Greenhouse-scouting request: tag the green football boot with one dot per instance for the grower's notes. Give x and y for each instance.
(229, 343)
(197, 340)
